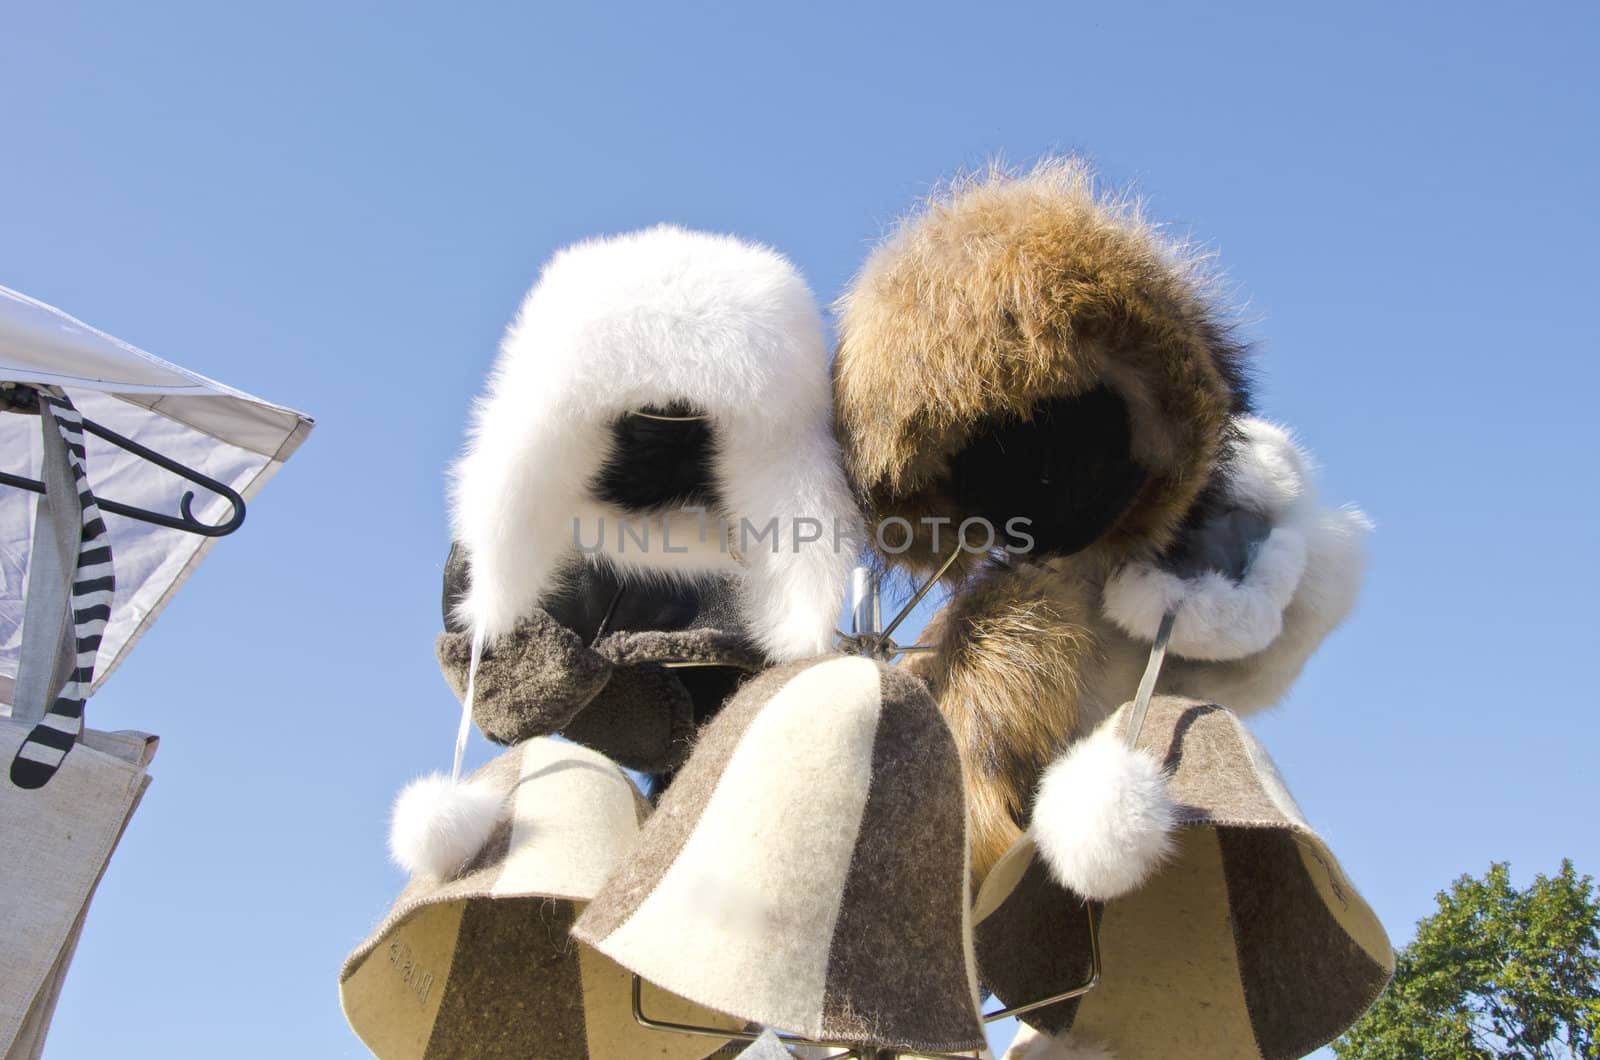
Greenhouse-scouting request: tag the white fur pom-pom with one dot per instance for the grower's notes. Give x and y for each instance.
(1033, 1044)
(1103, 820)
(439, 825)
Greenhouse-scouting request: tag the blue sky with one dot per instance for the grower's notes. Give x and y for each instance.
(336, 206)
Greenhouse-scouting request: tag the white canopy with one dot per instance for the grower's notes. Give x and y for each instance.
(220, 432)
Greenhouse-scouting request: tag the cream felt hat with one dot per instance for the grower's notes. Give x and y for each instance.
(807, 869)
(1249, 941)
(480, 964)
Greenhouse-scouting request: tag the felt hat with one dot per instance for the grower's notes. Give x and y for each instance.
(807, 868)
(630, 668)
(1025, 346)
(479, 963)
(1248, 942)
(661, 404)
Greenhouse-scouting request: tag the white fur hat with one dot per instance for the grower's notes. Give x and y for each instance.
(671, 321)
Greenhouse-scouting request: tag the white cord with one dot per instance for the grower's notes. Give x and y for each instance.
(466, 704)
(1147, 684)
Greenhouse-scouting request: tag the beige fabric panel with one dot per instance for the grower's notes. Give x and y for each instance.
(573, 820)
(1176, 930)
(612, 1030)
(743, 919)
(673, 820)
(391, 995)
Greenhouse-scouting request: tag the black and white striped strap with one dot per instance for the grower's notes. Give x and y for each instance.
(93, 586)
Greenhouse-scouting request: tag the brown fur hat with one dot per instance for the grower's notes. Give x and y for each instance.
(1015, 302)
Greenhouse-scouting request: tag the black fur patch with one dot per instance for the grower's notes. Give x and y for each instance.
(1069, 469)
(590, 599)
(658, 462)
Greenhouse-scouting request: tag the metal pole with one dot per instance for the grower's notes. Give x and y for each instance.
(863, 601)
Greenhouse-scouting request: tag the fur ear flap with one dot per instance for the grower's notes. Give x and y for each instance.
(439, 825)
(1218, 618)
(1324, 597)
(1308, 551)
(535, 680)
(1103, 819)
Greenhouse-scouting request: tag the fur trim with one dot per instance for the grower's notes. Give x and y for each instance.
(439, 825)
(1324, 598)
(1033, 1044)
(1008, 292)
(1220, 617)
(1103, 820)
(1269, 472)
(1014, 649)
(660, 318)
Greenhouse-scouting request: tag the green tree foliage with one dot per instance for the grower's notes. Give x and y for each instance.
(1495, 973)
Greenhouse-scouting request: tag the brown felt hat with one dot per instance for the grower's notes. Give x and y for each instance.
(1248, 943)
(807, 869)
(481, 965)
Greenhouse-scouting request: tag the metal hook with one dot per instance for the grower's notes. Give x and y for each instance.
(185, 520)
(1077, 991)
(864, 637)
(853, 1049)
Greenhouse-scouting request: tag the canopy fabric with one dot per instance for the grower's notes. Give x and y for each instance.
(220, 432)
